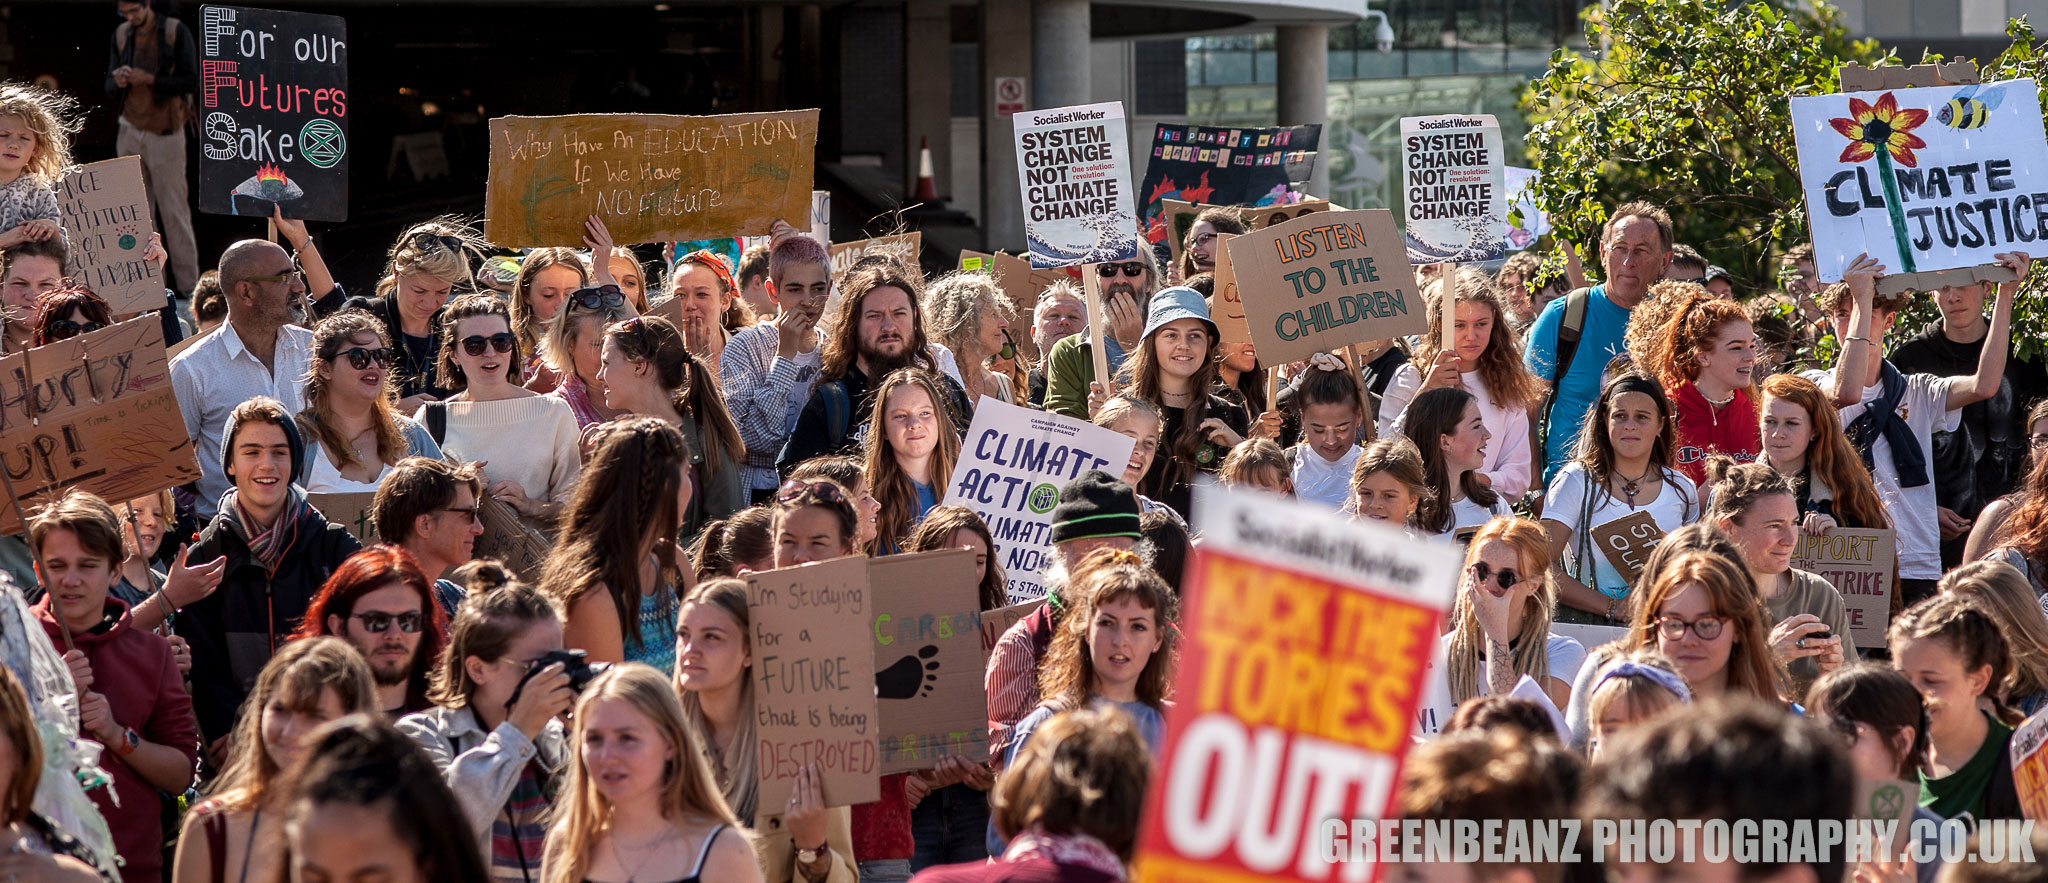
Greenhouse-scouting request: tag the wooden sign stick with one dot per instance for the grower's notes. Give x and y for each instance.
(1097, 319)
(1447, 289)
(1272, 390)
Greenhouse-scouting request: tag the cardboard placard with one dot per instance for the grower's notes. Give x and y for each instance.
(1307, 638)
(1012, 465)
(509, 540)
(357, 512)
(814, 690)
(928, 659)
(105, 208)
(1180, 218)
(995, 622)
(2030, 765)
(1074, 164)
(1859, 564)
(652, 178)
(1960, 190)
(273, 113)
(105, 418)
(1226, 304)
(1322, 281)
(905, 247)
(1454, 189)
(1627, 542)
(1224, 166)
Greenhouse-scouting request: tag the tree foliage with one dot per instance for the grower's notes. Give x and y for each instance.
(1686, 107)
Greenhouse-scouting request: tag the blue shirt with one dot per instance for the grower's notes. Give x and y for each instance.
(927, 497)
(1599, 342)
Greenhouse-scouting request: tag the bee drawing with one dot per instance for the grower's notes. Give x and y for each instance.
(1971, 107)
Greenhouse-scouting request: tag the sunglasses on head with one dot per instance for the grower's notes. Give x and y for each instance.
(426, 240)
(360, 358)
(65, 329)
(825, 490)
(602, 297)
(1505, 577)
(1128, 268)
(378, 623)
(502, 341)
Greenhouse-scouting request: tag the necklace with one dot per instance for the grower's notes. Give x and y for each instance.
(653, 849)
(1722, 403)
(1632, 486)
(1171, 397)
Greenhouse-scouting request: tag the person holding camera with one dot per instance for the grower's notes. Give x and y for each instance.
(495, 730)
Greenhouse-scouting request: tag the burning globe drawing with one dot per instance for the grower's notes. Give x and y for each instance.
(269, 185)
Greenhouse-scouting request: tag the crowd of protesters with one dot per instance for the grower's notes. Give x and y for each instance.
(226, 684)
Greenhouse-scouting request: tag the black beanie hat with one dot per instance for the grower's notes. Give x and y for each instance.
(291, 434)
(1095, 505)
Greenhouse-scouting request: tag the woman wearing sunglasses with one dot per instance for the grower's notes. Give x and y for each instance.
(1500, 628)
(354, 434)
(546, 278)
(967, 313)
(67, 313)
(573, 350)
(426, 265)
(527, 442)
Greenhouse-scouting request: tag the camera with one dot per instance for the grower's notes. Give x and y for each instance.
(575, 663)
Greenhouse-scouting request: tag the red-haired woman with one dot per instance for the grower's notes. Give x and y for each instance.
(1702, 349)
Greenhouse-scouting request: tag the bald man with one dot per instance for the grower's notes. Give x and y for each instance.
(256, 352)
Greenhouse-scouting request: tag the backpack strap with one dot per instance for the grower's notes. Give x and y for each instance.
(1568, 334)
(171, 26)
(838, 411)
(437, 421)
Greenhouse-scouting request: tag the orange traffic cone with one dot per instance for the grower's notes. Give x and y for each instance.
(927, 186)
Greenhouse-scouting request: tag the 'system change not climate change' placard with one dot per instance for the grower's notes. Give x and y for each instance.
(1075, 167)
(650, 178)
(1455, 189)
(273, 113)
(1930, 178)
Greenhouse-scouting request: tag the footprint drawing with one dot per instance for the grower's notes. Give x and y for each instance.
(908, 677)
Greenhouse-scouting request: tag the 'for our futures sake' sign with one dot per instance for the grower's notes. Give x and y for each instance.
(1075, 167)
(1931, 178)
(273, 113)
(1454, 186)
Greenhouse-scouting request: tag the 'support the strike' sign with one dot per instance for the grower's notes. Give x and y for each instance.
(105, 208)
(928, 659)
(105, 418)
(814, 683)
(273, 113)
(1454, 188)
(1307, 638)
(1012, 466)
(1323, 281)
(1074, 164)
(1930, 178)
(650, 178)
(1859, 564)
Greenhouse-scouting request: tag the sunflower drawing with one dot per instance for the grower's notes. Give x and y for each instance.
(1883, 124)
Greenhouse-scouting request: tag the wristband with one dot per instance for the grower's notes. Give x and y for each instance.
(163, 600)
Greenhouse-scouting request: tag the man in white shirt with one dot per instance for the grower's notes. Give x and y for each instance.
(257, 352)
(1896, 437)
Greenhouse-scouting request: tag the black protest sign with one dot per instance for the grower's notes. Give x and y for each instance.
(1223, 166)
(273, 113)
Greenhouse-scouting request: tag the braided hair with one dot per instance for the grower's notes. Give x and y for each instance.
(626, 502)
(1969, 629)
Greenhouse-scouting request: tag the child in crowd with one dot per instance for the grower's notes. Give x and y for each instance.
(1388, 485)
(1451, 435)
(35, 148)
(1259, 463)
(1949, 646)
(1630, 691)
(1334, 417)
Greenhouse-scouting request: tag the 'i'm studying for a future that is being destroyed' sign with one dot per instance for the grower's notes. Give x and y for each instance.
(1075, 167)
(273, 113)
(1929, 178)
(1454, 185)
